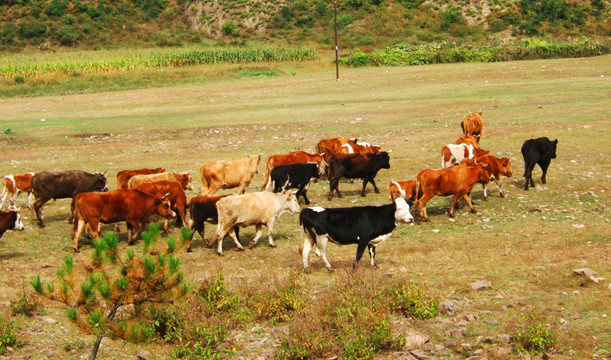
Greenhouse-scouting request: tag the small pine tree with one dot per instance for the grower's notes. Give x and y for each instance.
(108, 297)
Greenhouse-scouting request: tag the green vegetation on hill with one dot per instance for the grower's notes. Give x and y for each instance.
(367, 24)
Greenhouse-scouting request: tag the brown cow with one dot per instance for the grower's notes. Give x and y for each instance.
(472, 125)
(227, 174)
(359, 148)
(14, 185)
(130, 205)
(123, 176)
(356, 166)
(497, 167)
(469, 140)
(330, 147)
(453, 154)
(296, 157)
(455, 180)
(404, 189)
(184, 178)
(177, 197)
(10, 220)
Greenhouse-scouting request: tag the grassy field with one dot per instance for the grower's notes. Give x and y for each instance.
(526, 245)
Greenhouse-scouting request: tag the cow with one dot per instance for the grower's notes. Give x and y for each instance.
(362, 148)
(469, 140)
(47, 185)
(14, 185)
(203, 209)
(258, 208)
(295, 176)
(10, 220)
(537, 151)
(366, 226)
(123, 176)
(130, 205)
(177, 198)
(453, 154)
(455, 180)
(184, 178)
(329, 147)
(356, 166)
(405, 189)
(227, 174)
(497, 167)
(472, 125)
(296, 157)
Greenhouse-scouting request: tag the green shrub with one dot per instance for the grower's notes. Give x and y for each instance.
(450, 17)
(228, 28)
(355, 3)
(56, 8)
(152, 8)
(534, 338)
(8, 333)
(412, 301)
(25, 305)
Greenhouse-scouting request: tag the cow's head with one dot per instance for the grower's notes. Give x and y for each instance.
(99, 183)
(395, 191)
(291, 202)
(15, 223)
(384, 161)
(402, 214)
(163, 206)
(554, 145)
(185, 180)
(506, 167)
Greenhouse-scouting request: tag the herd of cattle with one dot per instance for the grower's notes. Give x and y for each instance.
(144, 192)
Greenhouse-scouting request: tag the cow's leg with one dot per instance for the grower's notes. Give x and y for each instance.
(71, 217)
(528, 168)
(136, 231)
(233, 236)
(78, 229)
(321, 247)
(455, 200)
(422, 205)
(30, 200)
(38, 209)
(372, 254)
(485, 191)
(360, 249)
(375, 187)
(305, 248)
(544, 165)
(468, 200)
(13, 200)
(4, 195)
(498, 183)
(365, 180)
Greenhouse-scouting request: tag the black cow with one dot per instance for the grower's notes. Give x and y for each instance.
(295, 176)
(47, 185)
(537, 151)
(356, 166)
(203, 209)
(366, 226)
(9, 220)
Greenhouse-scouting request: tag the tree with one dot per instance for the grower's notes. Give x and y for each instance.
(108, 296)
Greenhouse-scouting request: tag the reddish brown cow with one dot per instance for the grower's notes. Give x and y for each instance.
(405, 189)
(296, 157)
(455, 180)
(177, 197)
(184, 178)
(472, 125)
(497, 167)
(10, 220)
(130, 205)
(469, 140)
(123, 176)
(14, 185)
(330, 147)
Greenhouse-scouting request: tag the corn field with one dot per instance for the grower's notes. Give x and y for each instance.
(110, 62)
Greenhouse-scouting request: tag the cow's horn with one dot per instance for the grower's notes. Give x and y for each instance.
(167, 194)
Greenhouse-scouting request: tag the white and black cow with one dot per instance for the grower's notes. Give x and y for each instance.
(366, 226)
(537, 151)
(294, 176)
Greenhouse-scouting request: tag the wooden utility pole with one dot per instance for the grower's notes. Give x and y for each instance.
(336, 47)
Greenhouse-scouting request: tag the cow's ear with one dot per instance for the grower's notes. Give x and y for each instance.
(556, 141)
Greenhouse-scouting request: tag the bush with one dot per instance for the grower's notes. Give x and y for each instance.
(8, 333)
(228, 28)
(412, 301)
(534, 338)
(56, 8)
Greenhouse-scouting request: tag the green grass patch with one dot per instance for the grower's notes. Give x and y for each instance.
(259, 73)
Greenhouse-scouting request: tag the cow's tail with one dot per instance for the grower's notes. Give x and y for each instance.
(77, 213)
(205, 183)
(415, 204)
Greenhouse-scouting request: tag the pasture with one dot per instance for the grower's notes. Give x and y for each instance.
(526, 245)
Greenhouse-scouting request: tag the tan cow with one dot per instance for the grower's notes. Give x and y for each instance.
(123, 176)
(227, 174)
(258, 208)
(472, 125)
(296, 157)
(184, 178)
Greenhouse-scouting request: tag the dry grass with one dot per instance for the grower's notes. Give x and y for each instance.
(526, 245)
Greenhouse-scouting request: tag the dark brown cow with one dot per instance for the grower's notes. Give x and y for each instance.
(203, 209)
(123, 176)
(472, 125)
(184, 178)
(296, 157)
(10, 220)
(14, 185)
(227, 174)
(356, 166)
(455, 180)
(177, 197)
(130, 205)
(405, 189)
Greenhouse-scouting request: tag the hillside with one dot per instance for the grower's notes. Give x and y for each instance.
(367, 24)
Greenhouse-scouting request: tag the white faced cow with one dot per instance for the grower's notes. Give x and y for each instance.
(258, 208)
(366, 226)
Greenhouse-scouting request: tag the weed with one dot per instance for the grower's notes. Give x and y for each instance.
(533, 336)
(8, 333)
(412, 300)
(26, 305)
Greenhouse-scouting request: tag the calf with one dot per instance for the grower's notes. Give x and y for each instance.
(537, 151)
(259, 208)
(455, 180)
(404, 189)
(366, 226)
(10, 220)
(177, 198)
(356, 166)
(497, 167)
(130, 205)
(203, 209)
(296, 176)
(14, 185)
